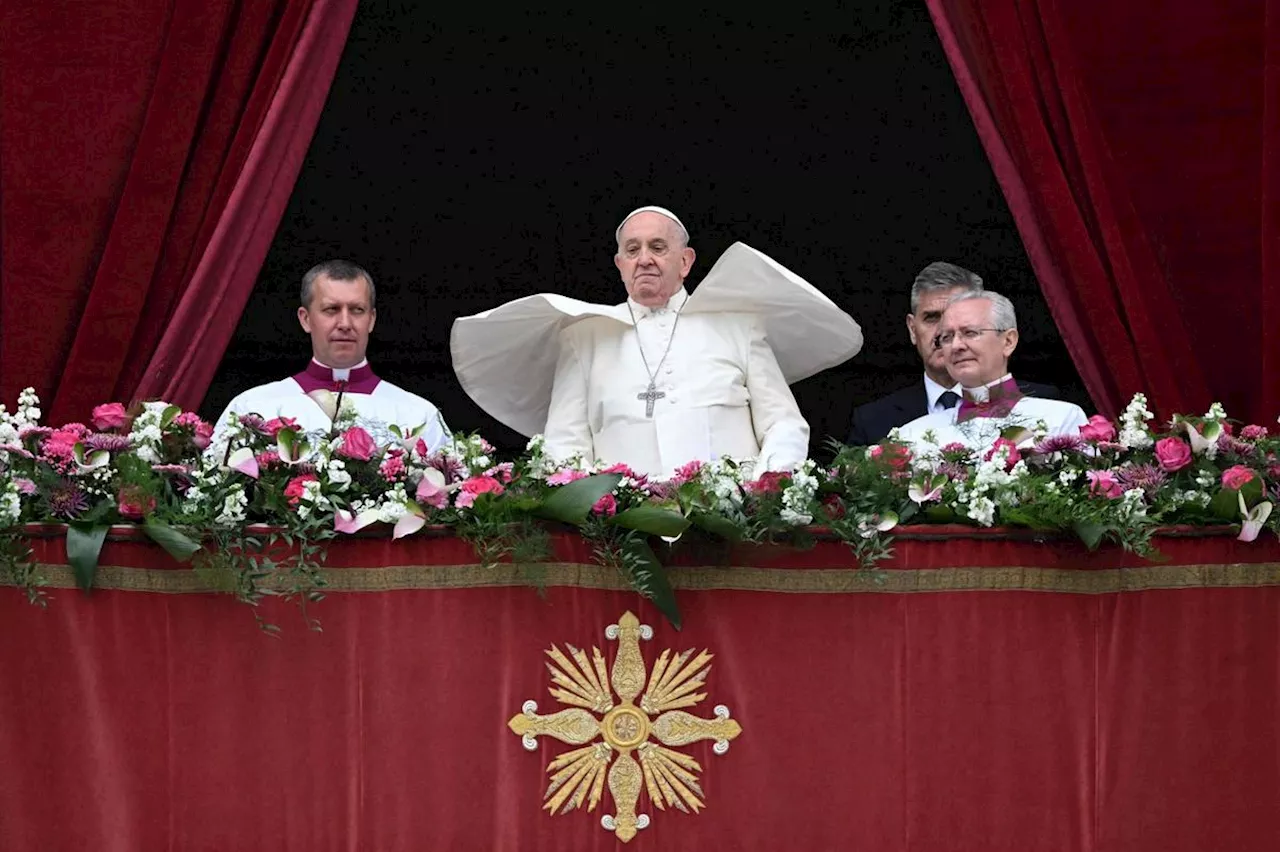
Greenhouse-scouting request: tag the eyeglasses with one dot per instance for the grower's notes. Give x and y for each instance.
(968, 335)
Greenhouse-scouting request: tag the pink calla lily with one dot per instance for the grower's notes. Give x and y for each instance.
(346, 522)
(243, 461)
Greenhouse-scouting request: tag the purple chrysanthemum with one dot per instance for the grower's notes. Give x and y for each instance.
(452, 468)
(34, 432)
(108, 442)
(66, 500)
(254, 422)
(954, 470)
(1148, 477)
(1230, 444)
(1057, 444)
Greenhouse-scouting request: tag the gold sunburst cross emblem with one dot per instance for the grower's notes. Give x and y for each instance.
(610, 731)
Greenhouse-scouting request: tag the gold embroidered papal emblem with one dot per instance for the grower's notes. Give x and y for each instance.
(611, 732)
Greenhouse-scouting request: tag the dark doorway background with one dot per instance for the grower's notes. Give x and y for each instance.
(465, 166)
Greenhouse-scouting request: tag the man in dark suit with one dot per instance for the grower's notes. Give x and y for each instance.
(935, 284)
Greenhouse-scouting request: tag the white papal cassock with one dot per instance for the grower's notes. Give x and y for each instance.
(573, 371)
(378, 403)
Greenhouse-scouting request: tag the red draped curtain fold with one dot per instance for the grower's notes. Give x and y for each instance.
(125, 132)
(1136, 146)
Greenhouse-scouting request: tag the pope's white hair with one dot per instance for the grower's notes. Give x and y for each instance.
(1003, 317)
(681, 231)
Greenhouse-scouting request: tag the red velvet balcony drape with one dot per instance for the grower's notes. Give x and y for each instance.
(979, 695)
(1137, 146)
(128, 133)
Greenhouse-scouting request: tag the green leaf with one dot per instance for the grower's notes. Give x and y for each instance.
(940, 514)
(1090, 533)
(571, 503)
(84, 543)
(717, 525)
(1225, 505)
(167, 416)
(176, 542)
(652, 519)
(651, 580)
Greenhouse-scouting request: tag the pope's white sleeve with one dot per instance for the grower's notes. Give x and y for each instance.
(780, 429)
(568, 432)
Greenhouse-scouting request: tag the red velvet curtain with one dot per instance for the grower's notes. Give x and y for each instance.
(1136, 144)
(125, 132)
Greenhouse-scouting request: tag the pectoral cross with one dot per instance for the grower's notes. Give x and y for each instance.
(650, 396)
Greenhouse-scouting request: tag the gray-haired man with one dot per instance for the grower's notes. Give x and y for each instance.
(938, 391)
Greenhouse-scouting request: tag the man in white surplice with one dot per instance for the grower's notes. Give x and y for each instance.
(666, 377)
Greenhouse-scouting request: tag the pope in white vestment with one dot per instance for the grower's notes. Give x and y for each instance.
(337, 311)
(666, 377)
(978, 332)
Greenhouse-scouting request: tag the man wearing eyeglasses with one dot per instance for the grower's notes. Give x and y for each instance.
(977, 334)
(938, 391)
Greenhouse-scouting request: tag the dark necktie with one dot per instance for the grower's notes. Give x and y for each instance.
(949, 399)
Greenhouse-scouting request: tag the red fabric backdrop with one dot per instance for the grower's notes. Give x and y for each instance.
(126, 131)
(1136, 144)
(1001, 720)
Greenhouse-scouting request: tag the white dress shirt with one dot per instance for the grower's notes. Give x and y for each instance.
(933, 391)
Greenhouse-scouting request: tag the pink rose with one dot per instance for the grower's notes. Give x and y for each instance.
(109, 416)
(134, 503)
(297, 487)
(1253, 433)
(1098, 428)
(1173, 453)
(564, 477)
(1237, 477)
(478, 485)
(202, 436)
(1103, 483)
(274, 425)
(357, 444)
(897, 457)
(1014, 456)
(606, 505)
(267, 458)
(688, 472)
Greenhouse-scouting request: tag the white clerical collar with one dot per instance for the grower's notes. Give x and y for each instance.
(933, 390)
(983, 392)
(341, 374)
(675, 303)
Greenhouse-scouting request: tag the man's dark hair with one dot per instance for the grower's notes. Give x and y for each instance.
(336, 270)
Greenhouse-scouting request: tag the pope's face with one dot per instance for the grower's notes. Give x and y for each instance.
(339, 320)
(922, 326)
(651, 259)
(976, 354)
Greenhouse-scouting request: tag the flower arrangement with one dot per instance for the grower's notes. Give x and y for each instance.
(254, 507)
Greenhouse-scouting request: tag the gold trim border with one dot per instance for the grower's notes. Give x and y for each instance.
(1082, 581)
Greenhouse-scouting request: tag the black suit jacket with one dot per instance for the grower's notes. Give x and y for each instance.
(872, 421)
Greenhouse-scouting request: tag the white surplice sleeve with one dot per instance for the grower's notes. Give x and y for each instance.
(780, 429)
(568, 429)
